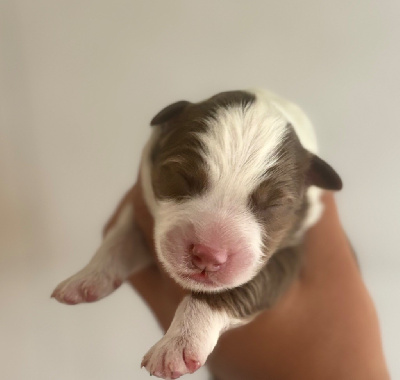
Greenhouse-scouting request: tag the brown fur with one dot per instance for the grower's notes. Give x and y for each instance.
(279, 202)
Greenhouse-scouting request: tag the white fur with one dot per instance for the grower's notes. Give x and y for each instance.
(236, 226)
(241, 145)
(294, 115)
(192, 336)
(121, 253)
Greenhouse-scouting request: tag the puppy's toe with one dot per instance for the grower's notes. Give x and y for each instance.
(85, 287)
(173, 357)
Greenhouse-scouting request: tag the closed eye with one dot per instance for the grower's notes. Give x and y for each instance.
(180, 182)
(263, 202)
(275, 205)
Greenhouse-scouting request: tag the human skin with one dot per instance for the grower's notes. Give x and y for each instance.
(324, 327)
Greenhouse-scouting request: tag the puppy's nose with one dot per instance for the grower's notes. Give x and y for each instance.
(207, 258)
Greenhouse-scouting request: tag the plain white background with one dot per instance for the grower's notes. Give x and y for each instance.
(79, 82)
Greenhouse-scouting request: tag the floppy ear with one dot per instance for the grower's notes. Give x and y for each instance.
(169, 112)
(322, 175)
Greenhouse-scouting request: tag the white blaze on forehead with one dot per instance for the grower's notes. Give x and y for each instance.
(240, 145)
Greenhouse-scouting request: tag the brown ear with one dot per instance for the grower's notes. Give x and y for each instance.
(169, 112)
(322, 175)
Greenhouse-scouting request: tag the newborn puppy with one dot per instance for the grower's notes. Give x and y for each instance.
(232, 182)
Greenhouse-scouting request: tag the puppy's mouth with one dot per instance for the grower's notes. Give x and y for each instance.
(202, 278)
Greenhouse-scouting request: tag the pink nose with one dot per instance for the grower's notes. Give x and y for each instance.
(207, 258)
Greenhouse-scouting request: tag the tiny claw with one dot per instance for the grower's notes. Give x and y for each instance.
(193, 365)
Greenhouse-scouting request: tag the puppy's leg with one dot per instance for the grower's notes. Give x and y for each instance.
(192, 336)
(122, 252)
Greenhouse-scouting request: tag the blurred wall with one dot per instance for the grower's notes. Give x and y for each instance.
(79, 82)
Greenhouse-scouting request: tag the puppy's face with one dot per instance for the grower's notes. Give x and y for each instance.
(230, 178)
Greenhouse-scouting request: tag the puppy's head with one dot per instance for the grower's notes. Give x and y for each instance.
(230, 178)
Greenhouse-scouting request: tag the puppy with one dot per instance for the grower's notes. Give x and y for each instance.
(232, 183)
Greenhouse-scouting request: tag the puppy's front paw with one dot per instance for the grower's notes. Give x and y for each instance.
(86, 286)
(174, 356)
